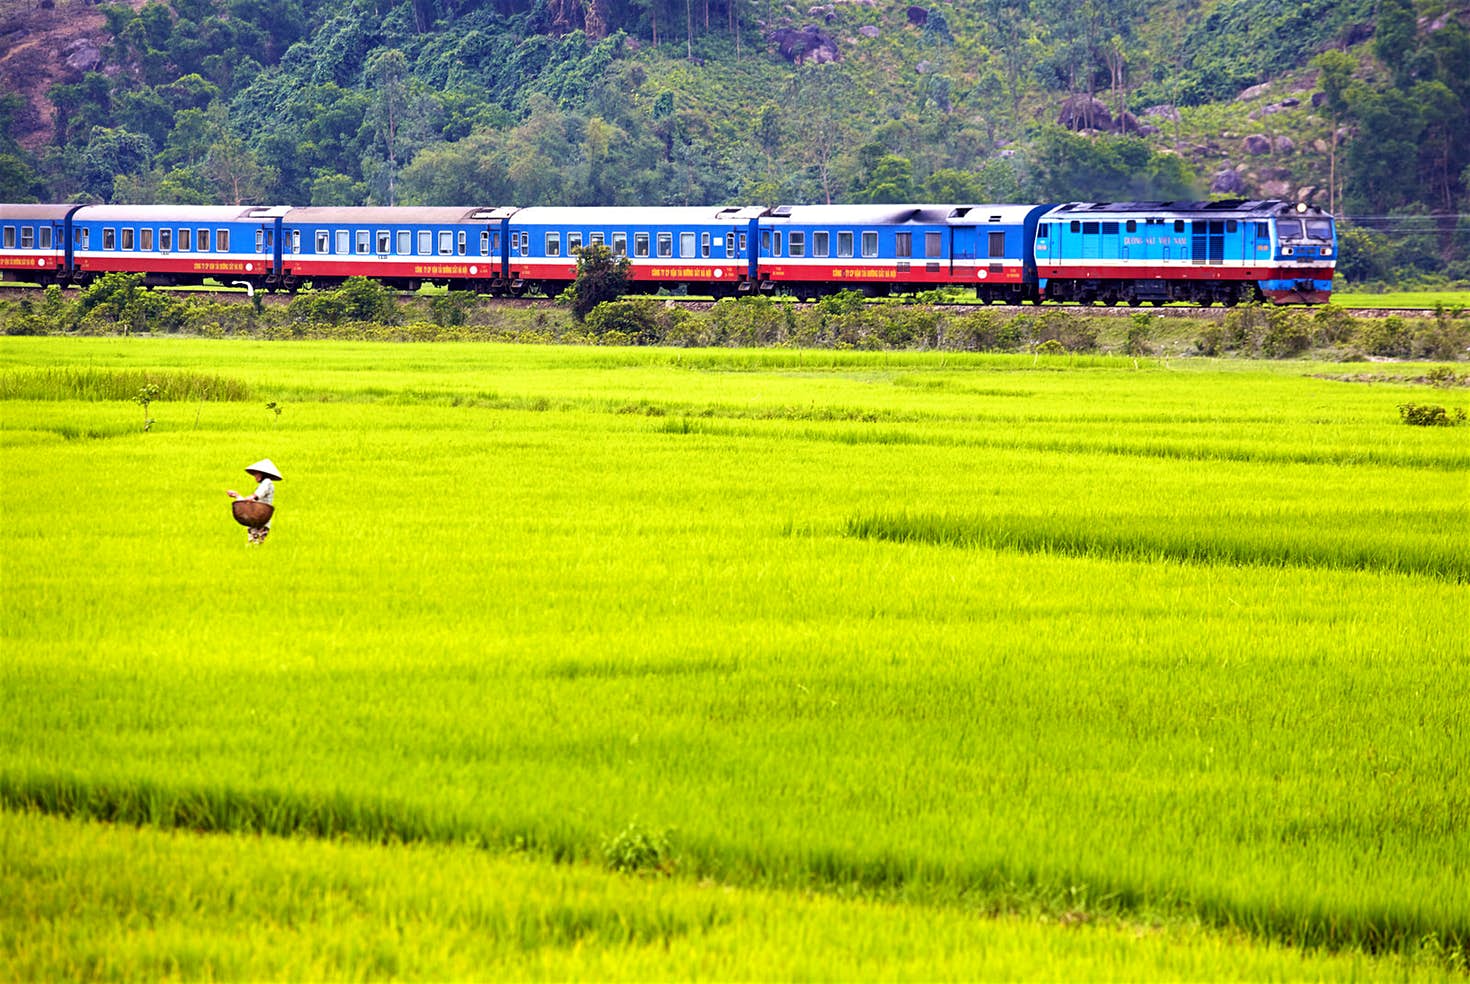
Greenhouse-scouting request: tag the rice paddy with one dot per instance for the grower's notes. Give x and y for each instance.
(1014, 666)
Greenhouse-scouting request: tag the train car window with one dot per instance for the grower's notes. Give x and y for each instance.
(844, 245)
(742, 242)
(186, 240)
(446, 242)
(27, 237)
(45, 237)
(109, 239)
(1232, 226)
(295, 240)
(870, 244)
(165, 240)
(405, 242)
(620, 244)
(704, 244)
(1132, 225)
(553, 244)
(903, 245)
(1076, 226)
(221, 240)
(595, 239)
(666, 244)
(798, 244)
(525, 244)
(259, 240)
(640, 244)
(1110, 228)
(821, 244)
(8, 239)
(426, 243)
(84, 238)
(574, 243)
(729, 244)
(145, 237)
(129, 237)
(933, 244)
(765, 241)
(686, 244)
(485, 243)
(201, 239)
(323, 241)
(778, 250)
(364, 240)
(1178, 225)
(461, 242)
(997, 244)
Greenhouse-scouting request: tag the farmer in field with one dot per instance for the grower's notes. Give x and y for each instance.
(266, 476)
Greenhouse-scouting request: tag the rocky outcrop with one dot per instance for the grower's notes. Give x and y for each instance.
(1227, 182)
(1083, 112)
(1257, 144)
(804, 44)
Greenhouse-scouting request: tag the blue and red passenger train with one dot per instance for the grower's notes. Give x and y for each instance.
(1132, 253)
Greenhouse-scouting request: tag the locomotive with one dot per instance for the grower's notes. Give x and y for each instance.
(1224, 252)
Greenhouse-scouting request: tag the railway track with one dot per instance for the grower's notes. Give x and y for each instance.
(228, 295)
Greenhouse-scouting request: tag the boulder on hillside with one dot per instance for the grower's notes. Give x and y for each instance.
(868, 31)
(918, 16)
(1285, 145)
(1254, 92)
(1257, 144)
(1227, 182)
(82, 55)
(1082, 112)
(809, 43)
(1165, 112)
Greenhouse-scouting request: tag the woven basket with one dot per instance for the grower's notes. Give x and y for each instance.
(250, 513)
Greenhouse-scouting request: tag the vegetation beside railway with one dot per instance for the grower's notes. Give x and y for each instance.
(117, 304)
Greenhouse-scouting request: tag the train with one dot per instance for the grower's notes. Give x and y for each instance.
(1226, 252)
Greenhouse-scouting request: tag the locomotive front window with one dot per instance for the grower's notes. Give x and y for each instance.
(553, 244)
(364, 241)
(221, 240)
(934, 244)
(665, 245)
(405, 242)
(446, 242)
(620, 244)
(1319, 229)
(640, 244)
(165, 240)
(127, 238)
(1289, 228)
(870, 244)
(903, 245)
(844, 245)
(798, 244)
(822, 244)
(997, 244)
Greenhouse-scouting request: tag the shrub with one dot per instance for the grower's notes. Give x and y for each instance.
(453, 308)
(635, 850)
(1429, 415)
(1386, 336)
(1287, 334)
(1135, 342)
(638, 321)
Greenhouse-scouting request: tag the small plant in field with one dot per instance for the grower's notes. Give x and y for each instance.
(146, 395)
(1430, 415)
(1051, 347)
(274, 408)
(1136, 341)
(636, 850)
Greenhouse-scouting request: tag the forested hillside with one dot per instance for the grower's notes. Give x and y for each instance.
(1359, 106)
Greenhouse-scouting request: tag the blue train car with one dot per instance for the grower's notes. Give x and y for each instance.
(1202, 252)
(704, 248)
(176, 244)
(33, 243)
(403, 247)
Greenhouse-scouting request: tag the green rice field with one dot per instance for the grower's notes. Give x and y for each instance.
(577, 662)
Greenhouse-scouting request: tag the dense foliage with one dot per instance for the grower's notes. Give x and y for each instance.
(653, 101)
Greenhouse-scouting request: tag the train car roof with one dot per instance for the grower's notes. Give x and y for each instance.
(930, 214)
(616, 215)
(1228, 206)
(11, 213)
(177, 213)
(390, 215)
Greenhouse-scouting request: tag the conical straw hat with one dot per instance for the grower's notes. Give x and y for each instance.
(266, 467)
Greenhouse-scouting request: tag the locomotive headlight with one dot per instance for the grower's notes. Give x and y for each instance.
(1287, 251)
(1301, 206)
(1326, 250)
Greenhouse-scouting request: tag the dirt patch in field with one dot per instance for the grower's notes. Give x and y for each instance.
(1444, 380)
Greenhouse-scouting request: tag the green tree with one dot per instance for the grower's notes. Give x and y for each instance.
(601, 276)
(1393, 38)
